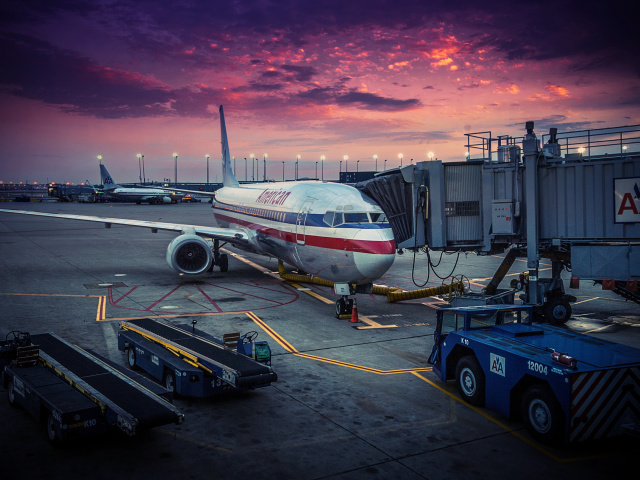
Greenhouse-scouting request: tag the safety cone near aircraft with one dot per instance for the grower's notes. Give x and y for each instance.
(354, 312)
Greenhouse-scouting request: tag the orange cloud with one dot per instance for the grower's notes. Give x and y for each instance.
(557, 90)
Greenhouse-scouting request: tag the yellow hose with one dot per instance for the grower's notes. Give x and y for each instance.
(393, 294)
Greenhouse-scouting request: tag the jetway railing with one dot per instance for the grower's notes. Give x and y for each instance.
(578, 145)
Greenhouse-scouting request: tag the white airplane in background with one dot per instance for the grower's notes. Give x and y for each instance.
(329, 230)
(138, 195)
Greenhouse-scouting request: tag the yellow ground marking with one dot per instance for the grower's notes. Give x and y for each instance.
(515, 433)
(102, 300)
(371, 324)
(508, 275)
(308, 291)
(584, 301)
(291, 349)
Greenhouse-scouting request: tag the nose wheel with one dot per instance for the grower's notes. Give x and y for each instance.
(344, 305)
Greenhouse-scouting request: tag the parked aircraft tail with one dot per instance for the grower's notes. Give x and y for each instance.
(228, 179)
(107, 181)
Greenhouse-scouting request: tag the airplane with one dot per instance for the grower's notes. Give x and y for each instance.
(138, 195)
(328, 230)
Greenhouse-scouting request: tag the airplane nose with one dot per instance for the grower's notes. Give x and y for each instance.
(378, 257)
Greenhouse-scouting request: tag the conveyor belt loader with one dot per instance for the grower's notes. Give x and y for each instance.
(193, 363)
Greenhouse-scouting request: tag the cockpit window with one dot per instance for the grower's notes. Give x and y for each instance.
(356, 217)
(378, 217)
(328, 218)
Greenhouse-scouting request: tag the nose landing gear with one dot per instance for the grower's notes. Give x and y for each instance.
(344, 306)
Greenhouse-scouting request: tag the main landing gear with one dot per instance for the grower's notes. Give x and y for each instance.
(219, 259)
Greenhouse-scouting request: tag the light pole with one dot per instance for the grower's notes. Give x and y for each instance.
(283, 170)
(264, 167)
(385, 164)
(207, 157)
(296, 169)
(139, 168)
(175, 169)
(430, 155)
(346, 164)
(375, 157)
(322, 157)
(340, 169)
(400, 157)
(245, 169)
(253, 155)
(316, 170)
(357, 167)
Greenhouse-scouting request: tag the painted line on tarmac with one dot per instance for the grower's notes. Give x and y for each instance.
(515, 433)
(291, 349)
(102, 300)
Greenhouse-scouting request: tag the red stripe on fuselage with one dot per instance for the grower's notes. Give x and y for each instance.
(376, 247)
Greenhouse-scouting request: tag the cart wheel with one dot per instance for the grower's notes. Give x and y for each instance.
(11, 394)
(557, 312)
(341, 307)
(224, 263)
(51, 430)
(470, 380)
(542, 414)
(169, 381)
(131, 357)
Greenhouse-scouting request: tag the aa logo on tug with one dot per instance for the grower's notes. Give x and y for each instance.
(497, 364)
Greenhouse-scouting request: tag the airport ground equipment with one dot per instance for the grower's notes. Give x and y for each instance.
(573, 198)
(192, 363)
(565, 386)
(75, 393)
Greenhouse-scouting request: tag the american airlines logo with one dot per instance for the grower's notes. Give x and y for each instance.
(273, 197)
(627, 200)
(107, 181)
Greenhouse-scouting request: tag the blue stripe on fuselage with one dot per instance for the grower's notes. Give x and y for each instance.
(291, 218)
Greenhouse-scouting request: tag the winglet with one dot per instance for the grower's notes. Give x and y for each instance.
(107, 181)
(228, 179)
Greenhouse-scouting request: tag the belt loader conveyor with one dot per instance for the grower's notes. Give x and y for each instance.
(193, 364)
(78, 394)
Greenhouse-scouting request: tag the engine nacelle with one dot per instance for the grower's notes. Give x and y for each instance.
(189, 254)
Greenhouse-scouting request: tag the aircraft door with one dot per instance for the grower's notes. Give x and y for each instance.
(301, 221)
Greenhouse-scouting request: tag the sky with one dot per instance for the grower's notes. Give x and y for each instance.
(336, 78)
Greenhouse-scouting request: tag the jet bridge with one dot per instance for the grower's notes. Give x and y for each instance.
(573, 197)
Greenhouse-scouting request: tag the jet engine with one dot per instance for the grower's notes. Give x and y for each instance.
(190, 254)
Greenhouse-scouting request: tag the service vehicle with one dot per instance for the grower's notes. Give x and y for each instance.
(193, 363)
(76, 393)
(567, 387)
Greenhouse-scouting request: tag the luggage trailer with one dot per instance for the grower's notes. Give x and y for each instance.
(77, 394)
(194, 364)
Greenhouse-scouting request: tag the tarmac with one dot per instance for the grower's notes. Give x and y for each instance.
(352, 400)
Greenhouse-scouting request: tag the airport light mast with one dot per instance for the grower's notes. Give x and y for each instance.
(175, 169)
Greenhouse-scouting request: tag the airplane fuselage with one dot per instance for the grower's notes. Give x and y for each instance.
(143, 195)
(326, 229)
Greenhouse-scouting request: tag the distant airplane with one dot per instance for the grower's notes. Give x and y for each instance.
(138, 195)
(329, 230)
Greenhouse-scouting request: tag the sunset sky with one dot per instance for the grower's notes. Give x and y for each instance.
(296, 77)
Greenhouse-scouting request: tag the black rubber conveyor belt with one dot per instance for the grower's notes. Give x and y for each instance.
(245, 366)
(148, 411)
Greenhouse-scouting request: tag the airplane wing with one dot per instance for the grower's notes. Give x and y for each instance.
(237, 237)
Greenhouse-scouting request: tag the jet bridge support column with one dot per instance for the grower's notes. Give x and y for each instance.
(530, 149)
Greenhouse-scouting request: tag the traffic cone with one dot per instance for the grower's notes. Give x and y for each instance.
(354, 312)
